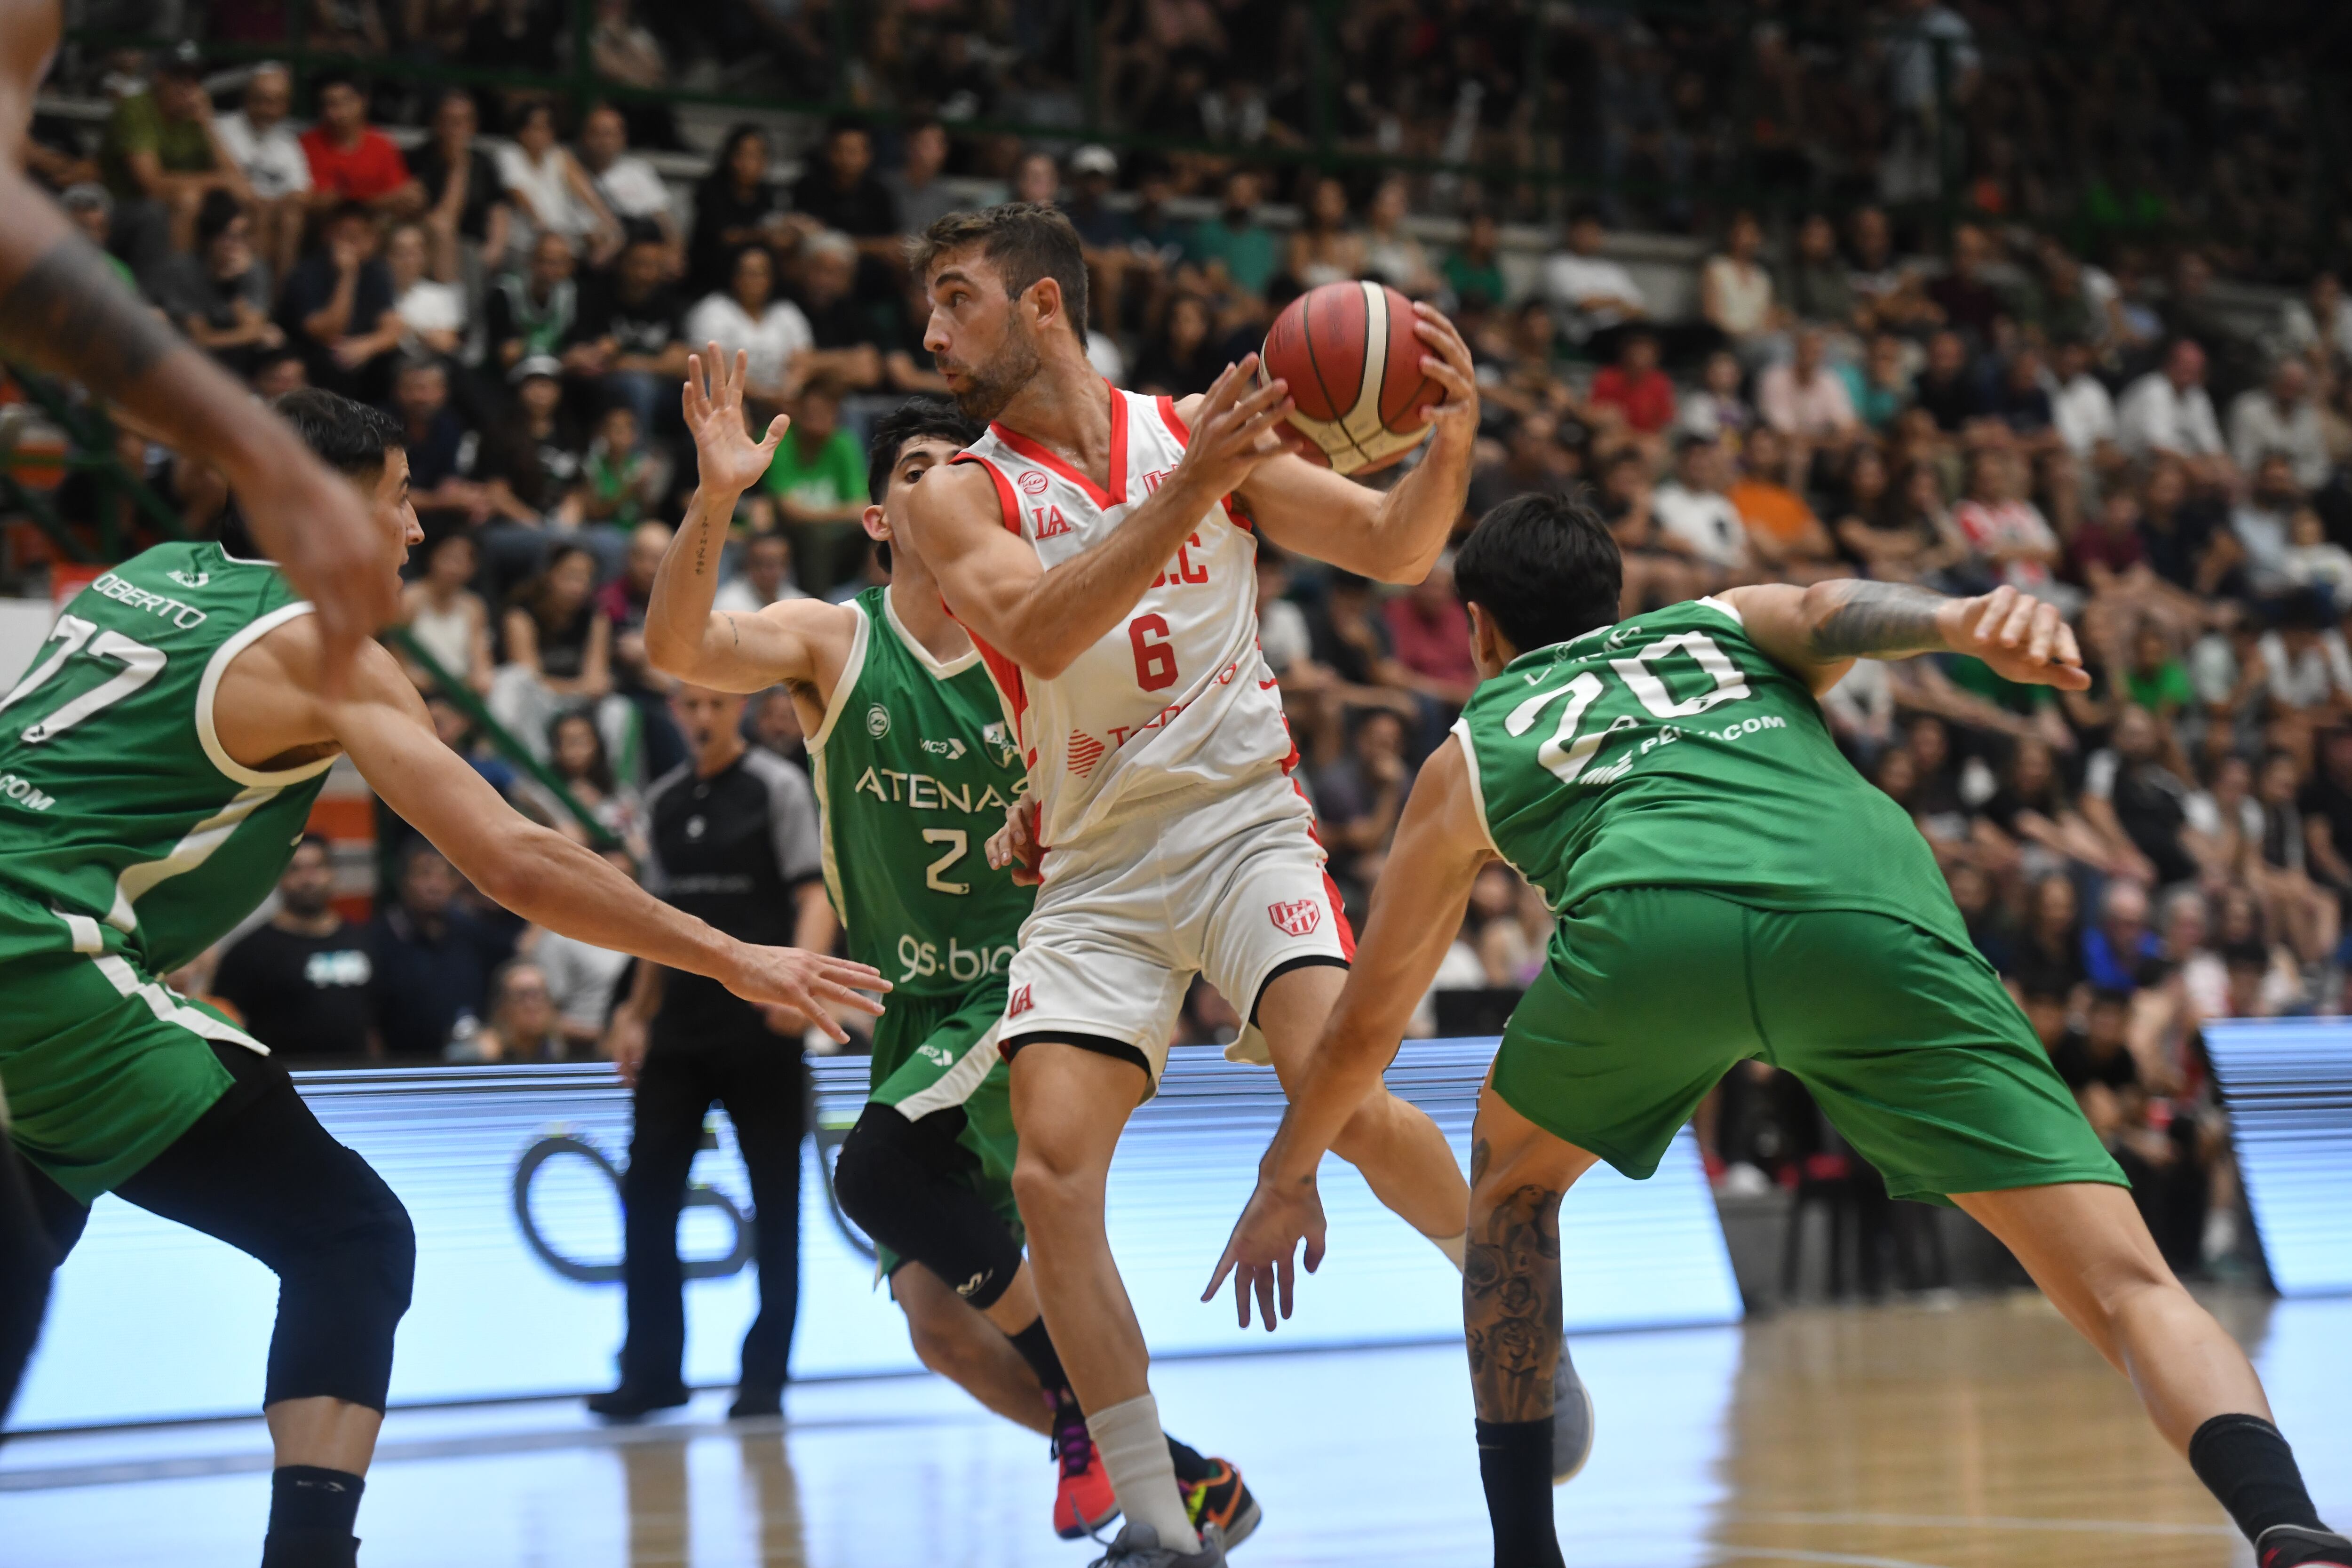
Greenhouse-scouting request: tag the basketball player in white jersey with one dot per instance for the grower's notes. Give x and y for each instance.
(1100, 547)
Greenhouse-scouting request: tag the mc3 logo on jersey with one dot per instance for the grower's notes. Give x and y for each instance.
(877, 720)
(1296, 917)
(1033, 481)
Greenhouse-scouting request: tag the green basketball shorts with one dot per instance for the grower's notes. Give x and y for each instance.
(103, 1065)
(1910, 1045)
(934, 1052)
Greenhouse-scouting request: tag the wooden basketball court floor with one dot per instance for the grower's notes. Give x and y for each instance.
(1974, 1434)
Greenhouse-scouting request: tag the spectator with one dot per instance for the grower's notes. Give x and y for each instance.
(1283, 635)
(2189, 541)
(441, 450)
(576, 756)
(557, 645)
(1782, 531)
(1589, 293)
(749, 318)
(631, 335)
(2156, 679)
(1736, 293)
(629, 187)
(1473, 272)
(2007, 531)
(1898, 529)
(432, 316)
(2120, 949)
(529, 466)
(1534, 463)
(1636, 387)
(1860, 711)
(2190, 311)
(466, 206)
(1946, 388)
(2083, 412)
(162, 156)
(2020, 400)
(1969, 305)
(552, 193)
(916, 187)
(623, 51)
(2318, 326)
(2306, 669)
(1429, 632)
(536, 313)
(734, 205)
(585, 982)
(2282, 418)
(1181, 357)
(2033, 807)
(1525, 377)
(2168, 411)
(337, 309)
(524, 1025)
(765, 576)
(1806, 402)
(844, 341)
(2312, 561)
(1692, 507)
(299, 980)
(263, 146)
(1717, 411)
(2135, 800)
(518, 36)
(429, 960)
(2261, 519)
(841, 191)
(351, 160)
(818, 480)
(621, 477)
(1878, 389)
(1359, 795)
(1391, 253)
(1235, 251)
(623, 602)
(1821, 290)
(448, 620)
(1892, 295)
(220, 296)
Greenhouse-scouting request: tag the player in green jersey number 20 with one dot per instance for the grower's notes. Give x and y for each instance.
(1728, 886)
(914, 770)
(179, 728)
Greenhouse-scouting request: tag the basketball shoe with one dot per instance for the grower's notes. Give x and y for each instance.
(1083, 1501)
(1220, 1499)
(1571, 1421)
(2292, 1546)
(1137, 1546)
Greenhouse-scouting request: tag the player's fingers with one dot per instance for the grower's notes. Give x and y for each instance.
(1221, 394)
(1289, 1281)
(1024, 878)
(1241, 1295)
(693, 393)
(2019, 627)
(1995, 611)
(1263, 1278)
(2065, 650)
(843, 996)
(1314, 1247)
(1460, 382)
(742, 373)
(776, 428)
(1267, 399)
(1433, 328)
(849, 971)
(2044, 636)
(799, 1000)
(1224, 1266)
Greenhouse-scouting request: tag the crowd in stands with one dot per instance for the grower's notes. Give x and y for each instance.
(1851, 395)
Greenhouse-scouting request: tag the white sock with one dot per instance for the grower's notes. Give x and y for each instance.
(1456, 1247)
(1135, 1455)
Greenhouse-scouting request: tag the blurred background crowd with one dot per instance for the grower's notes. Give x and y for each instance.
(1964, 295)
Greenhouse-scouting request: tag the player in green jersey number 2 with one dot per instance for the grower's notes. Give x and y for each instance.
(914, 770)
(1728, 886)
(159, 758)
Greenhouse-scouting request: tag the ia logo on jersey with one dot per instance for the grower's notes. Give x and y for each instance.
(1007, 753)
(952, 748)
(877, 720)
(190, 579)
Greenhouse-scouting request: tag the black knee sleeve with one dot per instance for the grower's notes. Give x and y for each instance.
(27, 1261)
(339, 1300)
(897, 1181)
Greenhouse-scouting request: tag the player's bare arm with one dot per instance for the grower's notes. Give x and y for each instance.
(799, 643)
(1042, 619)
(63, 310)
(1394, 536)
(269, 713)
(1819, 632)
(1417, 906)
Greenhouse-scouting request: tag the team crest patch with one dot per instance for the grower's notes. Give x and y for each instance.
(190, 579)
(1033, 481)
(1296, 917)
(877, 720)
(1019, 1003)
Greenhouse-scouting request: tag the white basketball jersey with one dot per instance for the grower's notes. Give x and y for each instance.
(1178, 699)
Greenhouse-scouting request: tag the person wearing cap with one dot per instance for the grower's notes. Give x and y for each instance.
(1104, 232)
(162, 155)
(529, 467)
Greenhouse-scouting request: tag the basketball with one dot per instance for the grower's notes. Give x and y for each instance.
(1353, 362)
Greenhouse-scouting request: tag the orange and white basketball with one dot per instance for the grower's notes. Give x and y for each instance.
(1353, 362)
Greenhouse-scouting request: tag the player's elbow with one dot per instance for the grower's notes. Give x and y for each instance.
(512, 874)
(670, 650)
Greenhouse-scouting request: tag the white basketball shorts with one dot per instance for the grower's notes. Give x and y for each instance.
(1231, 888)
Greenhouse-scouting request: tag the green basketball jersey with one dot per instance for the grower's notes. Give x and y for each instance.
(117, 803)
(1668, 751)
(914, 769)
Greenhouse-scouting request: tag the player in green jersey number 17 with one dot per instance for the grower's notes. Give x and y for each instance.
(914, 770)
(1728, 886)
(175, 730)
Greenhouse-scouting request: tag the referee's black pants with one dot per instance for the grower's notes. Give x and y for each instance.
(759, 1078)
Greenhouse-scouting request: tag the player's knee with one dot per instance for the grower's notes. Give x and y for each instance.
(1050, 1186)
(880, 1172)
(340, 1300)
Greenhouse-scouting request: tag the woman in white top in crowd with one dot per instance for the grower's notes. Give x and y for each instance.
(747, 315)
(433, 313)
(1391, 254)
(1736, 293)
(552, 192)
(446, 618)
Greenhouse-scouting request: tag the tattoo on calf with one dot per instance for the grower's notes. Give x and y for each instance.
(1873, 618)
(70, 313)
(1511, 1304)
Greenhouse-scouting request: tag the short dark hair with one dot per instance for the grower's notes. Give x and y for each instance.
(1024, 241)
(916, 419)
(318, 841)
(1544, 568)
(218, 210)
(349, 437)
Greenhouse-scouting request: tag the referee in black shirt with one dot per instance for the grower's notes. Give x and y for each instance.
(734, 840)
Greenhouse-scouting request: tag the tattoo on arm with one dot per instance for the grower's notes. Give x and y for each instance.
(1872, 619)
(733, 630)
(1511, 1303)
(69, 313)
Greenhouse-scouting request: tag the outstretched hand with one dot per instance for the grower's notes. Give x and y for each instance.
(2022, 638)
(727, 458)
(1258, 1253)
(811, 983)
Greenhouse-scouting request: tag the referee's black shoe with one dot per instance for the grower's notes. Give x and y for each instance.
(634, 1402)
(753, 1401)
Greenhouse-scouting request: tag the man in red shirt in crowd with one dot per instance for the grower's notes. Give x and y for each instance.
(350, 161)
(1636, 387)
